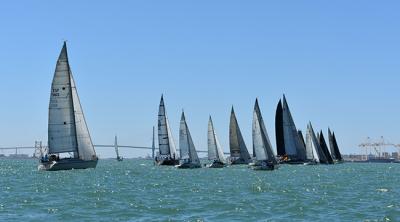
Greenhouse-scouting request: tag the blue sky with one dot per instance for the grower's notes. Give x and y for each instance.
(338, 62)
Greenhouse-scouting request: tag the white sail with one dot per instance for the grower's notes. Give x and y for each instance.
(317, 150)
(85, 146)
(165, 140)
(186, 146)
(214, 148)
(293, 145)
(310, 146)
(61, 126)
(262, 145)
(116, 146)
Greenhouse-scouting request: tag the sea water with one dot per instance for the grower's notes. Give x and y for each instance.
(136, 190)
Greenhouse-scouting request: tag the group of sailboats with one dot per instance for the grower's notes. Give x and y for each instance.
(264, 157)
(71, 147)
(292, 148)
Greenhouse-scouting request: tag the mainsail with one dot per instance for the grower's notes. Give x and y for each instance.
(314, 150)
(67, 129)
(237, 146)
(287, 138)
(116, 146)
(214, 147)
(334, 147)
(324, 147)
(262, 145)
(186, 146)
(165, 140)
(280, 143)
(303, 142)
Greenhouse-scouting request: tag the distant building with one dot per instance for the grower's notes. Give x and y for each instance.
(395, 155)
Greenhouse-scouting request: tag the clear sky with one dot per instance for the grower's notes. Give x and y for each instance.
(338, 62)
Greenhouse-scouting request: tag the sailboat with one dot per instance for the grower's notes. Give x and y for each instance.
(265, 157)
(336, 155)
(215, 153)
(313, 150)
(119, 158)
(238, 150)
(167, 151)
(67, 129)
(324, 147)
(289, 144)
(314, 143)
(188, 154)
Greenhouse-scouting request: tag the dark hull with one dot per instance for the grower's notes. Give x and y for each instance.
(67, 164)
(188, 166)
(264, 166)
(216, 164)
(240, 161)
(169, 162)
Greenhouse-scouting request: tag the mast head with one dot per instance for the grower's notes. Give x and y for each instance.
(183, 115)
(63, 54)
(256, 106)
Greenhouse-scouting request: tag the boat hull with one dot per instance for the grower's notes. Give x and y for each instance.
(216, 164)
(264, 166)
(67, 164)
(188, 166)
(240, 162)
(168, 162)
